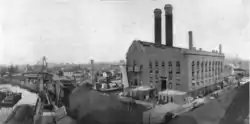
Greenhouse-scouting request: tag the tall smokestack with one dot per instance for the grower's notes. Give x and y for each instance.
(169, 24)
(157, 14)
(220, 48)
(190, 41)
(92, 71)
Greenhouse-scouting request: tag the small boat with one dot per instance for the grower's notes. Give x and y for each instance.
(112, 88)
(10, 99)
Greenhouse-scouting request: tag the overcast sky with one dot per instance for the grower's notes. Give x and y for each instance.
(77, 30)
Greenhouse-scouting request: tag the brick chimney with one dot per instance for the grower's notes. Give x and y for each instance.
(169, 25)
(157, 31)
(190, 41)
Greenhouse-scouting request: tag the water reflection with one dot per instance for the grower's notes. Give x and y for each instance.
(27, 98)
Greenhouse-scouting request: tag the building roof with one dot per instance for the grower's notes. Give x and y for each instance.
(144, 46)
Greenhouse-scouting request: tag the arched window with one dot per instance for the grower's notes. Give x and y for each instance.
(170, 66)
(216, 67)
(222, 66)
(170, 70)
(210, 68)
(193, 64)
(213, 66)
(202, 66)
(206, 66)
(202, 69)
(198, 69)
(219, 67)
(156, 63)
(198, 66)
(178, 65)
(178, 70)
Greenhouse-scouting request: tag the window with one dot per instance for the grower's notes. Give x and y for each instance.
(170, 85)
(134, 63)
(141, 67)
(178, 71)
(151, 82)
(215, 68)
(198, 69)
(193, 64)
(193, 70)
(178, 67)
(170, 66)
(170, 70)
(150, 79)
(222, 67)
(213, 65)
(198, 66)
(156, 63)
(210, 66)
(202, 66)
(156, 77)
(198, 83)
(150, 67)
(206, 66)
(170, 76)
(163, 64)
(164, 98)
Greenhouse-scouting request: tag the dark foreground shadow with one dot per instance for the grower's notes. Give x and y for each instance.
(92, 107)
(238, 110)
(185, 119)
(22, 114)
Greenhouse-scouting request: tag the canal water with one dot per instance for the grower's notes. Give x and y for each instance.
(27, 98)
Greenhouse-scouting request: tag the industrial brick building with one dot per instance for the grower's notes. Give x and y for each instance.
(165, 66)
